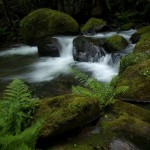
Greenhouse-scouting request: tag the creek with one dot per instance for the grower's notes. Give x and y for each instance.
(22, 62)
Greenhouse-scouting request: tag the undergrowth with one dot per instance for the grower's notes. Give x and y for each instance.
(16, 111)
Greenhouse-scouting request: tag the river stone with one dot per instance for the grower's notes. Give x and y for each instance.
(48, 46)
(66, 112)
(93, 25)
(122, 144)
(46, 22)
(86, 49)
(115, 43)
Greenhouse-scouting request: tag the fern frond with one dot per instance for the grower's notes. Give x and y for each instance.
(16, 108)
(94, 89)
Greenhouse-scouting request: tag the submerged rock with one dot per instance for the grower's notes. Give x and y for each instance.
(115, 43)
(93, 25)
(64, 113)
(48, 46)
(46, 22)
(87, 49)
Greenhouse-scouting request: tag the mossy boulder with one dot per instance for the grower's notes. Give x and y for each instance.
(121, 121)
(127, 26)
(137, 35)
(143, 45)
(93, 25)
(87, 49)
(137, 79)
(131, 59)
(115, 43)
(130, 122)
(66, 112)
(46, 22)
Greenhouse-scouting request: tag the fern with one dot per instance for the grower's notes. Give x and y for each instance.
(25, 140)
(16, 108)
(94, 89)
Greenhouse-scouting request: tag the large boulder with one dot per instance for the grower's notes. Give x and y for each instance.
(87, 49)
(48, 46)
(115, 43)
(46, 22)
(137, 80)
(93, 25)
(64, 113)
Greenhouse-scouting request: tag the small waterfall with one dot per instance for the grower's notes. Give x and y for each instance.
(48, 68)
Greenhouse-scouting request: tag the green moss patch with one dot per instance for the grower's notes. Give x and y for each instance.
(127, 26)
(93, 24)
(121, 120)
(115, 43)
(137, 35)
(66, 112)
(131, 59)
(137, 78)
(44, 22)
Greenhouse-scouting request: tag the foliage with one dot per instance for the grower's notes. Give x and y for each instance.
(25, 140)
(17, 108)
(94, 89)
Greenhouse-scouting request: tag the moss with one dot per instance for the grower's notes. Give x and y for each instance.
(93, 24)
(143, 44)
(140, 33)
(115, 43)
(44, 22)
(127, 26)
(131, 59)
(66, 112)
(121, 120)
(137, 78)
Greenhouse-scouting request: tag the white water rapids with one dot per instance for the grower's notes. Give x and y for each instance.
(47, 68)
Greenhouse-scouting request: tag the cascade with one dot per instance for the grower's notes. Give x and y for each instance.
(41, 69)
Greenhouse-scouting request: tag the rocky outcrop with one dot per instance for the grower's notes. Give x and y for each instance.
(48, 46)
(115, 43)
(46, 22)
(87, 49)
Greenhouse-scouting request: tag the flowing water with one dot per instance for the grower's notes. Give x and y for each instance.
(23, 62)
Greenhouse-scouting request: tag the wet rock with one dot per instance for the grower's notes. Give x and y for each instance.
(121, 144)
(46, 22)
(87, 49)
(48, 46)
(115, 43)
(93, 25)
